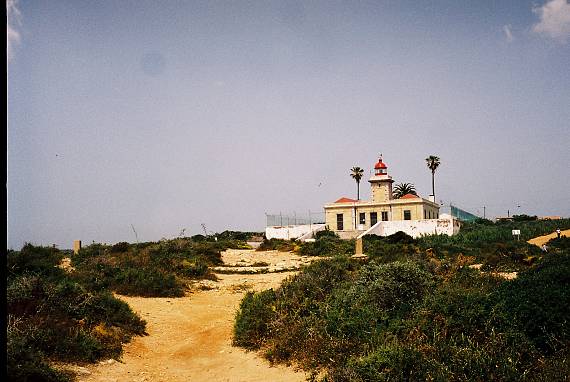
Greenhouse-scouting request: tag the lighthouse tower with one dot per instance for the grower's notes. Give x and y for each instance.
(381, 183)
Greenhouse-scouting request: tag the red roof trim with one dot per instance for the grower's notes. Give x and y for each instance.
(346, 200)
(409, 196)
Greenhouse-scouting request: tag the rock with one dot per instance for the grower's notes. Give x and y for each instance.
(82, 370)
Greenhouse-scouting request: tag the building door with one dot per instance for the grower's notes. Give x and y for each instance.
(339, 222)
(373, 218)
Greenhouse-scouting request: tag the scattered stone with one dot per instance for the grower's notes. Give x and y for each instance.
(81, 370)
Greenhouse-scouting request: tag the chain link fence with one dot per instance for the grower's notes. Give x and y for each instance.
(281, 220)
(458, 213)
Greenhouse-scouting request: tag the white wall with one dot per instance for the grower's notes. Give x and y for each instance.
(415, 228)
(291, 231)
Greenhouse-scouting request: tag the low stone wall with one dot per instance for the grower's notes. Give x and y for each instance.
(291, 231)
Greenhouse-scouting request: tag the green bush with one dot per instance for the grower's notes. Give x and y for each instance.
(560, 244)
(327, 245)
(276, 245)
(160, 269)
(256, 310)
(381, 293)
(416, 311)
(480, 233)
(24, 361)
(326, 233)
(38, 260)
(390, 362)
(53, 316)
(147, 283)
(538, 302)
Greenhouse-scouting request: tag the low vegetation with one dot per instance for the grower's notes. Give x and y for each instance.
(156, 269)
(417, 311)
(54, 314)
(327, 243)
(278, 245)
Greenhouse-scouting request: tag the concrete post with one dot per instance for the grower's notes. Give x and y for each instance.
(76, 246)
(358, 255)
(358, 250)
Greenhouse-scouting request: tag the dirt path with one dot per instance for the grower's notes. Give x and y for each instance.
(540, 240)
(190, 337)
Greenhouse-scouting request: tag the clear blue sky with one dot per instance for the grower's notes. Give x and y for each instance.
(168, 114)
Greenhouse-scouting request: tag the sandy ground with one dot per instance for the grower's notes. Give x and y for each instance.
(190, 337)
(540, 240)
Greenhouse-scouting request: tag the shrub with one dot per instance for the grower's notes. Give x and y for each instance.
(37, 260)
(390, 362)
(326, 233)
(327, 245)
(120, 247)
(380, 293)
(24, 361)
(276, 244)
(152, 269)
(399, 238)
(147, 283)
(417, 312)
(561, 244)
(538, 300)
(251, 324)
(53, 316)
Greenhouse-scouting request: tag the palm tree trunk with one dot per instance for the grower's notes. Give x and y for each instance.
(433, 184)
(357, 190)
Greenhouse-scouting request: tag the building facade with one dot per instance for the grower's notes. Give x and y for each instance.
(349, 218)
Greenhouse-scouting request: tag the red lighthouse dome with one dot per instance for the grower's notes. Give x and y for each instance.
(380, 167)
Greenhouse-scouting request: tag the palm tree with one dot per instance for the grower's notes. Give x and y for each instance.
(356, 173)
(433, 163)
(402, 189)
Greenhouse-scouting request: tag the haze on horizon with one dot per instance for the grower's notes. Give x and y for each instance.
(167, 115)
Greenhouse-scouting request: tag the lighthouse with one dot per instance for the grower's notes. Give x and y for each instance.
(381, 183)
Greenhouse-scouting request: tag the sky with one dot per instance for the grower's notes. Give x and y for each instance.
(142, 120)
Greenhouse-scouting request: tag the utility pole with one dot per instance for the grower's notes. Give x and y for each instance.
(484, 217)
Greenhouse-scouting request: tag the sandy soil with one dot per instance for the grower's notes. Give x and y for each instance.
(190, 337)
(540, 240)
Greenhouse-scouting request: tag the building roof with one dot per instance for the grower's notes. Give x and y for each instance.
(409, 196)
(346, 200)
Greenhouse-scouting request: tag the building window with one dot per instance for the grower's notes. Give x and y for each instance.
(362, 218)
(373, 218)
(425, 214)
(384, 216)
(339, 222)
(407, 215)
